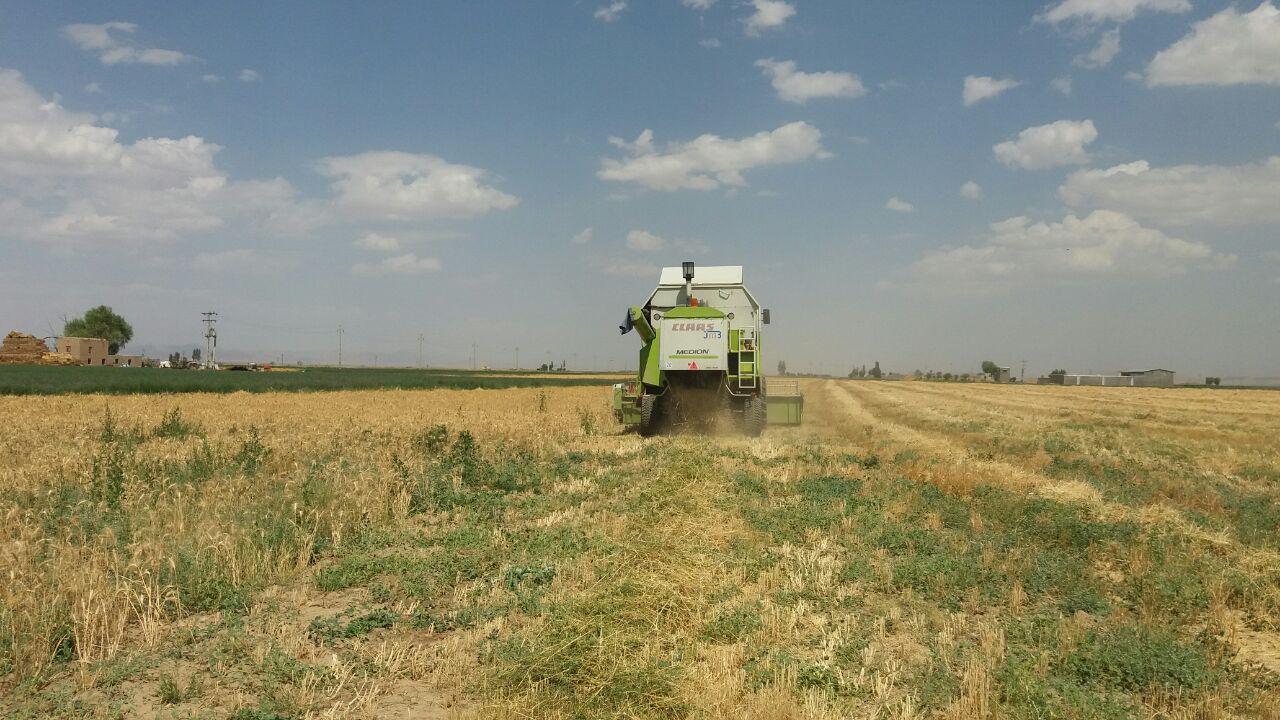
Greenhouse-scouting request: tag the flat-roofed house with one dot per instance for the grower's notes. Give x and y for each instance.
(86, 351)
(1156, 377)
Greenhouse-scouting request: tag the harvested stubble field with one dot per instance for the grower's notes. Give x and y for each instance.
(914, 550)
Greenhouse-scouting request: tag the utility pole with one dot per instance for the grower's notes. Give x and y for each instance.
(1024, 372)
(517, 358)
(421, 338)
(473, 356)
(340, 331)
(210, 340)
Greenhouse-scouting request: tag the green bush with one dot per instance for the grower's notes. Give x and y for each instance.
(174, 427)
(1138, 658)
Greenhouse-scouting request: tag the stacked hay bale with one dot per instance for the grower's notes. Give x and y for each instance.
(22, 349)
(58, 358)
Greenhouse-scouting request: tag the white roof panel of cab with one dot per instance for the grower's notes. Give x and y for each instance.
(703, 275)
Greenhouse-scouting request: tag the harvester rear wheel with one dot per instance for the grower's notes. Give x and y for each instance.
(649, 415)
(754, 416)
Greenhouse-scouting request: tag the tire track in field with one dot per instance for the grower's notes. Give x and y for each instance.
(1124, 402)
(951, 467)
(1016, 412)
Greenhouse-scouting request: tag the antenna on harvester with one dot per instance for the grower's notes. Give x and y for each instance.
(210, 340)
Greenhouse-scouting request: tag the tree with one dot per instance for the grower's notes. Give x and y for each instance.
(101, 322)
(195, 354)
(990, 368)
(875, 371)
(782, 367)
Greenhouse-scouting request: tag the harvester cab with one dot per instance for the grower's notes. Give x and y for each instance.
(700, 360)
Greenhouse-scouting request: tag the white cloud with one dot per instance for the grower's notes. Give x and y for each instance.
(1058, 143)
(584, 237)
(971, 191)
(642, 145)
(698, 4)
(1182, 194)
(611, 12)
(644, 241)
(211, 78)
(977, 89)
(691, 246)
(629, 268)
(1103, 53)
(1062, 84)
(1229, 48)
(711, 43)
(801, 87)
(93, 87)
(709, 162)
(407, 264)
(897, 204)
(378, 242)
(1105, 244)
(1099, 11)
(105, 41)
(768, 14)
(405, 186)
(66, 178)
(75, 181)
(240, 260)
(248, 75)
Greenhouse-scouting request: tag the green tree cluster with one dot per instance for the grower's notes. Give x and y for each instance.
(101, 322)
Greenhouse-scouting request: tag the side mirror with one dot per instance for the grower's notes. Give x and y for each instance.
(764, 316)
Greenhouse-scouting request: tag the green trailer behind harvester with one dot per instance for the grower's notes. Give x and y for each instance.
(701, 362)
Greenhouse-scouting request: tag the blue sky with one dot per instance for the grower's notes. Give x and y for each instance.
(1084, 183)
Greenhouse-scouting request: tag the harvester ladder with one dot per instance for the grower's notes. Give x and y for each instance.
(746, 359)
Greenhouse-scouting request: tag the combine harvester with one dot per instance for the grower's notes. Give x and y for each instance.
(701, 363)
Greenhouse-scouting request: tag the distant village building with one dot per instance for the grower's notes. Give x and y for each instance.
(95, 351)
(1157, 377)
(1002, 374)
(86, 351)
(126, 360)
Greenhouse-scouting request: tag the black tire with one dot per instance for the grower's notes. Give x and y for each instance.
(648, 415)
(754, 416)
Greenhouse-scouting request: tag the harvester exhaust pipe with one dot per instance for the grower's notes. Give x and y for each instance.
(687, 266)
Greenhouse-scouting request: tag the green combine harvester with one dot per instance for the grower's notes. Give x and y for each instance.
(701, 365)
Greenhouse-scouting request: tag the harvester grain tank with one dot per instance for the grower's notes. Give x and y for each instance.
(700, 362)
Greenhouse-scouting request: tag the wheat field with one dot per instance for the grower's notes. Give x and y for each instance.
(914, 550)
